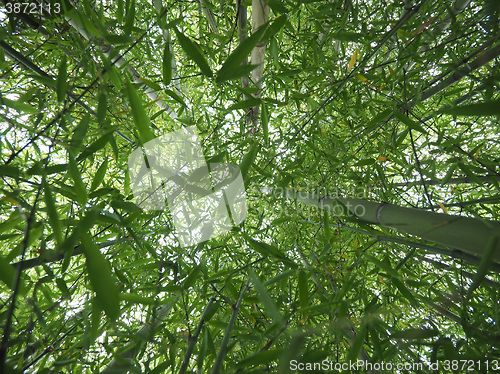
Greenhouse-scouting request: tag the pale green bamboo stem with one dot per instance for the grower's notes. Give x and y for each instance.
(471, 235)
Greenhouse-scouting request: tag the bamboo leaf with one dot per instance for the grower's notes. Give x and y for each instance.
(248, 160)
(99, 175)
(80, 131)
(239, 54)
(100, 277)
(354, 57)
(407, 121)
(141, 120)
(193, 51)
(244, 104)
(268, 303)
(277, 6)
(52, 212)
(102, 106)
(129, 21)
(484, 265)
(264, 120)
(137, 299)
(74, 172)
(234, 73)
(415, 334)
(191, 278)
(97, 145)
(62, 76)
(7, 272)
(491, 108)
(405, 292)
(167, 64)
(303, 292)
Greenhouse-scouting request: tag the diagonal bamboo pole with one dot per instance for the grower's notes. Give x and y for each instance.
(471, 235)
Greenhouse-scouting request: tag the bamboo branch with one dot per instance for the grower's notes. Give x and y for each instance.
(192, 339)
(486, 281)
(227, 335)
(471, 235)
(480, 61)
(54, 256)
(26, 63)
(462, 180)
(123, 363)
(210, 16)
(118, 60)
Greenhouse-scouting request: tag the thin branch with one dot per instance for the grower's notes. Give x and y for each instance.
(227, 335)
(4, 345)
(192, 339)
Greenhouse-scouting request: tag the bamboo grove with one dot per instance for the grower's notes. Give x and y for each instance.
(367, 136)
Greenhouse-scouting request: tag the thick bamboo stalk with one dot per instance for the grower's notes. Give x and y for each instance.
(260, 15)
(471, 235)
(482, 60)
(458, 8)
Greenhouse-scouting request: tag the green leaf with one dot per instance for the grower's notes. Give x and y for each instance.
(382, 265)
(10, 170)
(137, 299)
(268, 303)
(346, 36)
(176, 97)
(97, 145)
(141, 120)
(234, 73)
(167, 64)
(100, 276)
(99, 175)
(74, 172)
(303, 292)
(491, 108)
(129, 21)
(484, 265)
(193, 51)
(102, 106)
(240, 53)
(191, 278)
(244, 104)
(62, 77)
(381, 117)
(407, 121)
(248, 160)
(80, 131)
(277, 6)
(405, 292)
(264, 120)
(7, 272)
(52, 212)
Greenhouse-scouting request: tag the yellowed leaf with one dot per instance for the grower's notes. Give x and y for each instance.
(477, 153)
(353, 59)
(443, 208)
(361, 78)
(10, 200)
